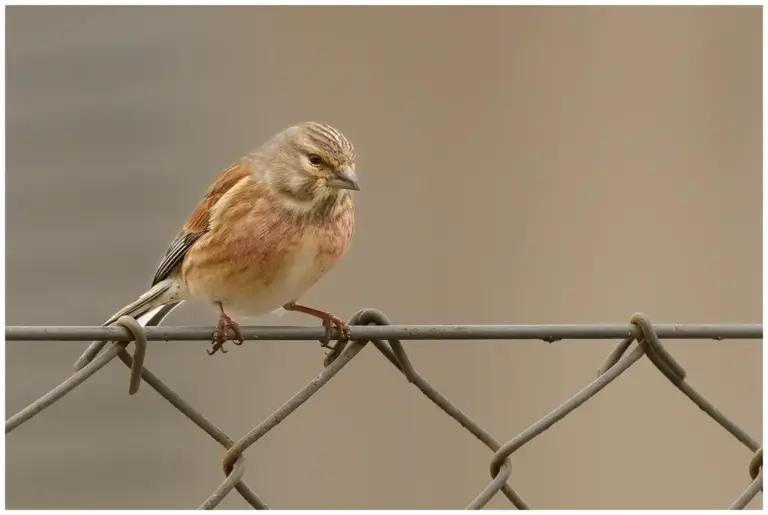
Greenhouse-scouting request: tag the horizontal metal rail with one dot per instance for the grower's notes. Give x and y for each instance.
(549, 333)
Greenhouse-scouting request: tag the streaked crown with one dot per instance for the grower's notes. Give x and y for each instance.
(310, 166)
(330, 139)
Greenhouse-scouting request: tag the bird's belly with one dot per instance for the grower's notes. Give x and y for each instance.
(259, 282)
(307, 268)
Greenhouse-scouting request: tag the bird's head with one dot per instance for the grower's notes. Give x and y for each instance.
(311, 166)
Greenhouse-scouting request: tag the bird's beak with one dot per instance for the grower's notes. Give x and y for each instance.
(345, 179)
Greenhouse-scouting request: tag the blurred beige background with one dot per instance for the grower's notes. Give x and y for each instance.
(519, 165)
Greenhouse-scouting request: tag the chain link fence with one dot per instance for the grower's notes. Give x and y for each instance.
(372, 326)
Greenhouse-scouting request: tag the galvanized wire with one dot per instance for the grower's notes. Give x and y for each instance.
(548, 333)
(374, 327)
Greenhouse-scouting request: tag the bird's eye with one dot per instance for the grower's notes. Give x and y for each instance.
(315, 159)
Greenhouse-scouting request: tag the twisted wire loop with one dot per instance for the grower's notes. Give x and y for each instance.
(373, 326)
(676, 375)
(756, 463)
(140, 336)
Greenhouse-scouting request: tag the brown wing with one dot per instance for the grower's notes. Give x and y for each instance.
(197, 225)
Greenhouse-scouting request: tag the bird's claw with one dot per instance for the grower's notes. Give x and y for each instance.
(222, 331)
(341, 343)
(217, 346)
(330, 322)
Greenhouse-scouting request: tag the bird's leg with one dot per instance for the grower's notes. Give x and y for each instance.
(222, 331)
(329, 320)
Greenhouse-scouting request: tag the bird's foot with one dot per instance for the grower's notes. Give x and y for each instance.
(334, 350)
(222, 332)
(330, 322)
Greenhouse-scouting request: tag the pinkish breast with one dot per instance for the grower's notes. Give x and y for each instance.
(336, 234)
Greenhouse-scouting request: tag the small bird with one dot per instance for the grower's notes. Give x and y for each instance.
(268, 228)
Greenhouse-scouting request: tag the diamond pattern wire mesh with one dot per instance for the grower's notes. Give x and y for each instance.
(372, 326)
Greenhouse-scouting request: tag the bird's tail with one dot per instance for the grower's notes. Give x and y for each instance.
(149, 310)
